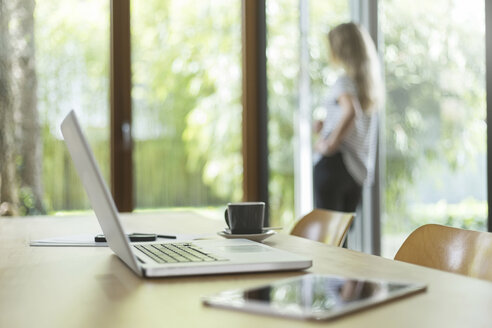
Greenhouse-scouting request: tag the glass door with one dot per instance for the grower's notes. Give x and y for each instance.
(299, 75)
(187, 113)
(435, 131)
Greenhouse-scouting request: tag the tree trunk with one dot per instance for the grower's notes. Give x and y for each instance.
(8, 185)
(26, 105)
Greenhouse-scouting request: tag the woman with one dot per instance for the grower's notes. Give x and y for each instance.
(345, 148)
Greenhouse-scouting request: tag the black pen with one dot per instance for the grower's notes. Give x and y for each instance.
(166, 236)
(137, 236)
(156, 235)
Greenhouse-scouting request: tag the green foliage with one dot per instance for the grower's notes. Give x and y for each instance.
(435, 93)
(468, 214)
(168, 187)
(72, 57)
(282, 72)
(186, 60)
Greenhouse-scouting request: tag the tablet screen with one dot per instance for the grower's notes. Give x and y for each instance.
(314, 296)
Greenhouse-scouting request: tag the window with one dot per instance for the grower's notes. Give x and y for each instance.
(186, 63)
(435, 130)
(59, 55)
(286, 73)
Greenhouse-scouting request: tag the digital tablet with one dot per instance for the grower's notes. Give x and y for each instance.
(315, 297)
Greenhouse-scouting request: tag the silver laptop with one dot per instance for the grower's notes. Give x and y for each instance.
(163, 259)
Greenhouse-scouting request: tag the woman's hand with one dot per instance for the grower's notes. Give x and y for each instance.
(317, 126)
(324, 146)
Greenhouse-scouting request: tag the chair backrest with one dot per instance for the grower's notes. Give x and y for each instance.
(449, 249)
(329, 227)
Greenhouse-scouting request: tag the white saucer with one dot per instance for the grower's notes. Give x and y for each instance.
(226, 233)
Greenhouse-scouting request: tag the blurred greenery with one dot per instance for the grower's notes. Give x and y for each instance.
(468, 214)
(186, 98)
(187, 102)
(435, 111)
(72, 56)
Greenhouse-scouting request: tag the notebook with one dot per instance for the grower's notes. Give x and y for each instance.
(165, 259)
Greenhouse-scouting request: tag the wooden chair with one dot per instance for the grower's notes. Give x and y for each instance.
(329, 227)
(449, 249)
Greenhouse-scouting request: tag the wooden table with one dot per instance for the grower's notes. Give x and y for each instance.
(90, 287)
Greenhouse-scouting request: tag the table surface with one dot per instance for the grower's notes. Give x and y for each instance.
(91, 287)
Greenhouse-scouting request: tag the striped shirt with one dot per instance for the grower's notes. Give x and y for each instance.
(358, 146)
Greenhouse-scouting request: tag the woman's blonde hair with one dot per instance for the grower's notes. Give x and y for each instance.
(352, 46)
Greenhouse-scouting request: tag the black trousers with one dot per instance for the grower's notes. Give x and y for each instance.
(334, 187)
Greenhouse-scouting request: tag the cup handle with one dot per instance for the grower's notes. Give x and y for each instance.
(226, 216)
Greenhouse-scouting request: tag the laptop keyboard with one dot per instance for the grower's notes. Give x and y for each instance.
(176, 253)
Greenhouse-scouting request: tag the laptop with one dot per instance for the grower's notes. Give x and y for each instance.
(167, 259)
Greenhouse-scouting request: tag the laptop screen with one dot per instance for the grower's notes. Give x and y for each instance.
(97, 190)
